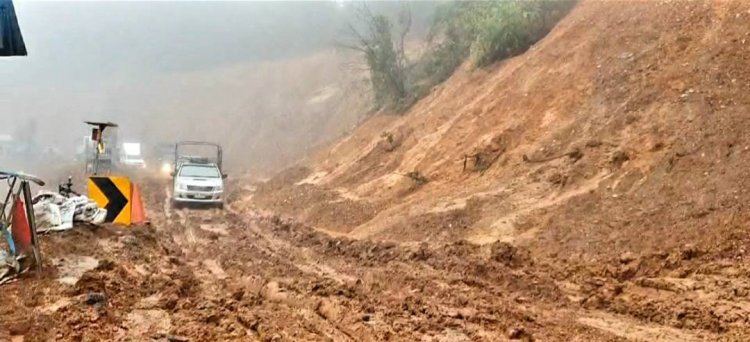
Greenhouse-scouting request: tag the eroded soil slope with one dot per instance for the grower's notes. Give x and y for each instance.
(246, 275)
(613, 152)
(591, 189)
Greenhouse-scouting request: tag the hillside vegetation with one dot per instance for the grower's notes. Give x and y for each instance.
(481, 31)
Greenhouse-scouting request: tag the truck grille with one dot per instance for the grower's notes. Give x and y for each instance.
(200, 188)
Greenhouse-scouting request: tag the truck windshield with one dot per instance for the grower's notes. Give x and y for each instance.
(199, 171)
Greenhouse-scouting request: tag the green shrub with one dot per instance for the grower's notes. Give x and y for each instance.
(483, 31)
(488, 31)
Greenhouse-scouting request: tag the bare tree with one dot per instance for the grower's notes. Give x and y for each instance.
(383, 55)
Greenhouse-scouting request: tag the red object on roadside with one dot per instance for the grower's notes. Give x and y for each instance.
(20, 229)
(137, 211)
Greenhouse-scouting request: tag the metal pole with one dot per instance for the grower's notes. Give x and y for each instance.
(7, 197)
(32, 225)
(4, 218)
(96, 159)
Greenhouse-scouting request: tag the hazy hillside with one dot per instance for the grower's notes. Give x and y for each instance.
(613, 146)
(590, 187)
(238, 73)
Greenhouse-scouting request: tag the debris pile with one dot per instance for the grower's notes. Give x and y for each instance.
(55, 212)
(10, 266)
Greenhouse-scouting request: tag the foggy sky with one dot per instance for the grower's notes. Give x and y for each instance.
(84, 41)
(130, 62)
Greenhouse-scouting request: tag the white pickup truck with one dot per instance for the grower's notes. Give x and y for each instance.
(198, 180)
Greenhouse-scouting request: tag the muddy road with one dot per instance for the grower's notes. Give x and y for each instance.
(246, 275)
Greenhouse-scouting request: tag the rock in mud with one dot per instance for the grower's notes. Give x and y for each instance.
(71, 268)
(689, 252)
(238, 294)
(18, 328)
(149, 302)
(54, 307)
(518, 333)
(628, 271)
(248, 319)
(214, 319)
(423, 253)
(105, 265)
(215, 268)
(618, 158)
(467, 313)
(273, 292)
(146, 323)
(96, 298)
(168, 302)
(627, 257)
(452, 335)
(507, 254)
(328, 310)
(129, 240)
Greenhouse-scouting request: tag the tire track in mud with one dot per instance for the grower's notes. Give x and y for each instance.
(256, 277)
(398, 292)
(205, 254)
(246, 275)
(285, 253)
(302, 258)
(299, 285)
(424, 301)
(309, 265)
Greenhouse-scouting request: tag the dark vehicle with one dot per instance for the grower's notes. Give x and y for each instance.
(163, 156)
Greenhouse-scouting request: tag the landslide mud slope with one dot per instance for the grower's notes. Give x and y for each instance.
(613, 152)
(245, 275)
(602, 199)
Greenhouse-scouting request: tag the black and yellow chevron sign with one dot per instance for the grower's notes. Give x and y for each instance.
(113, 194)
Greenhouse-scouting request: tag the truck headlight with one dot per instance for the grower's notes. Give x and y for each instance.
(181, 186)
(166, 168)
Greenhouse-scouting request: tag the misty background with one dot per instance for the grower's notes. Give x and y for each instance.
(264, 79)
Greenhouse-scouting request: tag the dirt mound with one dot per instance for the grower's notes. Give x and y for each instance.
(93, 276)
(585, 190)
(613, 153)
(577, 141)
